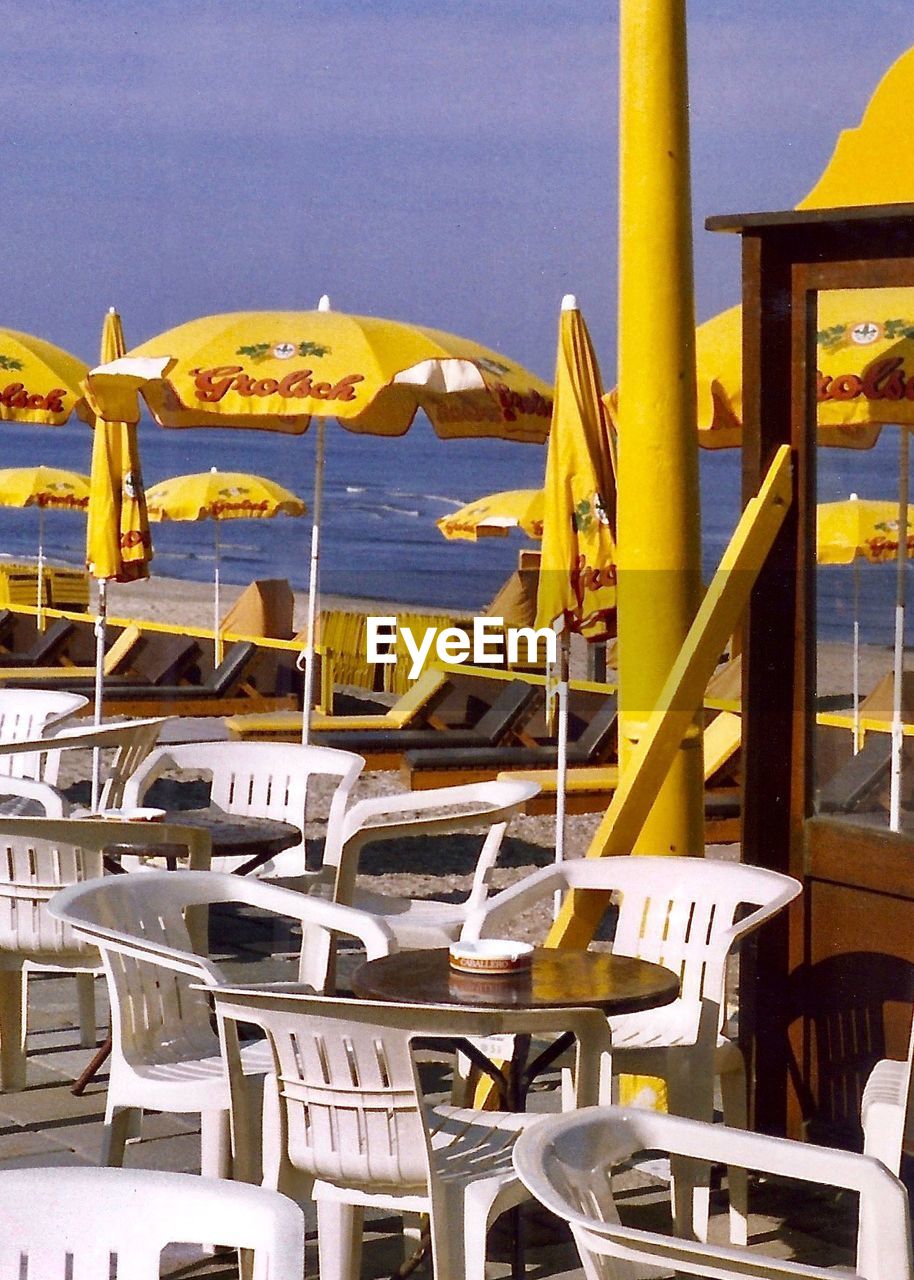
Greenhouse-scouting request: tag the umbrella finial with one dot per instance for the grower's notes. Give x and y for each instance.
(569, 302)
(112, 311)
(324, 304)
(212, 471)
(854, 497)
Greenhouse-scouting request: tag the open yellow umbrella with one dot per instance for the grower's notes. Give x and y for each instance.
(846, 533)
(39, 382)
(495, 516)
(275, 370)
(577, 579)
(220, 495)
(118, 545)
(44, 488)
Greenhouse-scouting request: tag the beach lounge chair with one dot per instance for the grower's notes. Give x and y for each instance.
(384, 749)
(439, 766)
(76, 679)
(858, 777)
(154, 658)
(48, 645)
(226, 691)
(590, 789)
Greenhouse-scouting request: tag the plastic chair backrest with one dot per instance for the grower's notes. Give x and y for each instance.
(566, 1162)
(61, 1222)
(265, 779)
(32, 871)
(352, 1095)
(682, 912)
(140, 925)
(31, 713)
(426, 813)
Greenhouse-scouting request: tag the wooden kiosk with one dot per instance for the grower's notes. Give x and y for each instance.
(833, 983)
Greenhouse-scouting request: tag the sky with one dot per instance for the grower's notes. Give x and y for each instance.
(451, 163)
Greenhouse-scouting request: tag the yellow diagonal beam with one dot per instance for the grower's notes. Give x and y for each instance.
(682, 694)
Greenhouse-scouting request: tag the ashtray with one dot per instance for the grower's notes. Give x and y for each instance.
(134, 815)
(491, 955)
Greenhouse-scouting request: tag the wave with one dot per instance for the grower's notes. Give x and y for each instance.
(355, 488)
(399, 511)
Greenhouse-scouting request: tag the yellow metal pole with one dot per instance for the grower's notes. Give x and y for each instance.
(658, 498)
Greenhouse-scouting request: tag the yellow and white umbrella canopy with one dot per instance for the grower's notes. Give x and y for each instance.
(44, 488)
(275, 370)
(495, 516)
(220, 495)
(858, 529)
(39, 382)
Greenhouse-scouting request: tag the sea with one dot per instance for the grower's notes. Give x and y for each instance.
(382, 497)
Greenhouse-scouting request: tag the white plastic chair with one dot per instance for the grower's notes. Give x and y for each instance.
(165, 1054)
(682, 913)
(357, 1133)
(567, 1163)
(886, 1112)
(420, 922)
(97, 1223)
(35, 779)
(27, 714)
(34, 713)
(266, 779)
(38, 858)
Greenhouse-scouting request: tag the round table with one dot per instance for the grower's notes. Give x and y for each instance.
(558, 978)
(233, 836)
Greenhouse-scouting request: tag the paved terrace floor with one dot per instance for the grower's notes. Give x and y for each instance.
(46, 1124)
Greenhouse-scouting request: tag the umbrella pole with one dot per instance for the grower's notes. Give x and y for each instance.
(562, 759)
(856, 678)
(101, 624)
(217, 635)
(902, 562)
(40, 600)
(313, 582)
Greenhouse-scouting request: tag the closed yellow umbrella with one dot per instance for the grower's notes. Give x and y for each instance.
(276, 370)
(44, 488)
(220, 495)
(495, 516)
(577, 579)
(118, 545)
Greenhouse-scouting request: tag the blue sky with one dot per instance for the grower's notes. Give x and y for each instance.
(449, 163)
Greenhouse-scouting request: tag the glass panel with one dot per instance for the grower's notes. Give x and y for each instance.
(857, 575)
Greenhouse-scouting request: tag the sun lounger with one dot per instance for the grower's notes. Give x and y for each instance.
(48, 646)
(440, 766)
(422, 706)
(383, 749)
(590, 789)
(77, 679)
(153, 659)
(858, 777)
